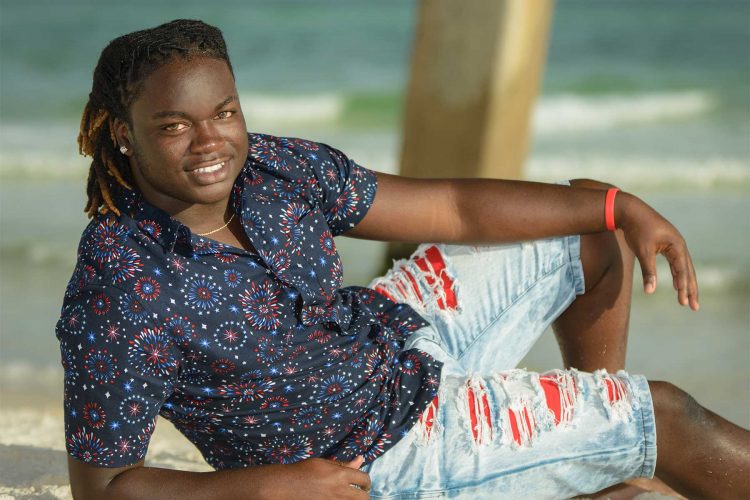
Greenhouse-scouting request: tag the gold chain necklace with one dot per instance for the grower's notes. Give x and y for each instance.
(219, 229)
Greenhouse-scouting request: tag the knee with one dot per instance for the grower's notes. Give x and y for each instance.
(589, 183)
(601, 255)
(672, 404)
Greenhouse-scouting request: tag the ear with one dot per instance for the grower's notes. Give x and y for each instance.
(122, 134)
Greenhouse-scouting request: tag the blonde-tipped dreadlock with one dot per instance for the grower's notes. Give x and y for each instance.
(123, 66)
(91, 142)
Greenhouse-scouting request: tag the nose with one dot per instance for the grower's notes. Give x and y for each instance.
(206, 139)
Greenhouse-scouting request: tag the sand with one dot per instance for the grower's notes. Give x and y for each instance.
(33, 460)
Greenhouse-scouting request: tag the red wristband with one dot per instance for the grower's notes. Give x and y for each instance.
(609, 209)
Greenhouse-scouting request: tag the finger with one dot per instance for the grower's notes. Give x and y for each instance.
(693, 285)
(678, 264)
(682, 283)
(647, 261)
(356, 463)
(679, 283)
(359, 479)
(365, 481)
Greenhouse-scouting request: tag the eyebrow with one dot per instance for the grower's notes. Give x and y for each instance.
(180, 114)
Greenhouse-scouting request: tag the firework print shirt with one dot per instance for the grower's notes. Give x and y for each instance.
(255, 358)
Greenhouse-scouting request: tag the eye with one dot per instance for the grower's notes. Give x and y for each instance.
(174, 127)
(223, 115)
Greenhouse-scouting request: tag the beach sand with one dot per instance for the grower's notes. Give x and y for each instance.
(33, 456)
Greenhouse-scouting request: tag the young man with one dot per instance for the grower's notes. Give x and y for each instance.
(208, 290)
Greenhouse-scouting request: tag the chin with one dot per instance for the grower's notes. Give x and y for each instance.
(213, 198)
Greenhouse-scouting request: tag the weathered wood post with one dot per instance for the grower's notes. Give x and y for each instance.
(475, 74)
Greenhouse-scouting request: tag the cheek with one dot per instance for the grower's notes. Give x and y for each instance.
(167, 155)
(239, 132)
(156, 164)
(243, 142)
(238, 139)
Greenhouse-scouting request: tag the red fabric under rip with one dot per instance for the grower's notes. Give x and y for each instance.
(414, 285)
(552, 394)
(612, 393)
(427, 419)
(435, 259)
(382, 291)
(473, 412)
(514, 424)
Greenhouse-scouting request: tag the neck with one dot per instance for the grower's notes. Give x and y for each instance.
(199, 217)
(204, 218)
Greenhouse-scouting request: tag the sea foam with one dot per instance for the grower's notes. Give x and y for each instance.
(575, 113)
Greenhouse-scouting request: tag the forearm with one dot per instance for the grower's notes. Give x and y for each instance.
(486, 210)
(316, 478)
(497, 210)
(156, 483)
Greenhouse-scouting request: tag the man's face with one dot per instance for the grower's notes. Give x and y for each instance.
(188, 136)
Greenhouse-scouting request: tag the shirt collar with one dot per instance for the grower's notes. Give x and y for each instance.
(153, 221)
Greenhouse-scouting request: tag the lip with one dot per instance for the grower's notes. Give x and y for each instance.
(208, 163)
(207, 178)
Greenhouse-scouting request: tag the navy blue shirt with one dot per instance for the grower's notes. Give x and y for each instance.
(255, 358)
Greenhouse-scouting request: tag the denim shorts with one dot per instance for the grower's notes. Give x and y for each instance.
(495, 431)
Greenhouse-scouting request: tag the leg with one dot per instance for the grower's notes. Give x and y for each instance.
(487, 305)
(700, 454)
(518, 434)
(593, 331)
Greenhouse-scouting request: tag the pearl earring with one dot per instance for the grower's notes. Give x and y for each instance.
(123, 149)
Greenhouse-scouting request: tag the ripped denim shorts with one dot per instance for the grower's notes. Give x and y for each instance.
(495, 431)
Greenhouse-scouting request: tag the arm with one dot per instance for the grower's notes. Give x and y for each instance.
(487, 210)
(107, 373)
(318, 478)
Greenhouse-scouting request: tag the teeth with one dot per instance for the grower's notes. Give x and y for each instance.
(212, 168)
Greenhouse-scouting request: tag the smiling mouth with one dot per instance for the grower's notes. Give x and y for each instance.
(209, 169)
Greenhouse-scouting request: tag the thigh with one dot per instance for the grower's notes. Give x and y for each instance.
(487, 305)
(520, 434)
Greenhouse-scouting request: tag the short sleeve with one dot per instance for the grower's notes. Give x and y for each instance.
(347, 189)
(120, 367)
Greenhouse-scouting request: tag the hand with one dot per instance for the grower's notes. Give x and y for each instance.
(314, 479)
(647, 234)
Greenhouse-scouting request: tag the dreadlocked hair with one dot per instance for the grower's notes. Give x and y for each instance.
(123, 66)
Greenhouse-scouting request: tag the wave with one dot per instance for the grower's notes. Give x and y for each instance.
(273, 109)
(643, 173)
(576, 113)
(21, 372)
(39, 252)
(24, 155)
(553, 114)
(712, 278)
(40, 150)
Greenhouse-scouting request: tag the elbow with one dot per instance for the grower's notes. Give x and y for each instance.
(89, 482)
(590, 184)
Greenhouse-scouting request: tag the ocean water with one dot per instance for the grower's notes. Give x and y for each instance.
(651, 95)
